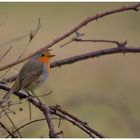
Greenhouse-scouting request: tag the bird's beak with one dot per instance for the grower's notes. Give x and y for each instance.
(51, 55)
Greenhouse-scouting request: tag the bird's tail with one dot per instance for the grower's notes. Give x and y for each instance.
(7, 96)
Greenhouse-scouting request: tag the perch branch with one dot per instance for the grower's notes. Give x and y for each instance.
(74, 29)
(93, 54)
(56, 111)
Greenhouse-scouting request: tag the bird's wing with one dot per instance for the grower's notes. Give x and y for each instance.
(30, 72)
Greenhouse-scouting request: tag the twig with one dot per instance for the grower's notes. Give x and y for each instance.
(25, 48)
(11, 121)
(21, 37)
(6, 53)
(78, 120)
(30, 111)
(47, 112)
(72, 121)
(98, 40)
(13, 104)
(4, 127)
(31, 122)
(73, 39)
(32, 35)
(34, 121)
(73, 30)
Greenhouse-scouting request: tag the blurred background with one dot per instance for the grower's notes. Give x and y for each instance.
(104, 92)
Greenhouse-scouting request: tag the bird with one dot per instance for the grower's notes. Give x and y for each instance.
(32, 74)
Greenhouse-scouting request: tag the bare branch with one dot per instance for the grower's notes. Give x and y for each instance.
(40, 106)
(77, 120)
(76, 28)
(61, 113)
(23, 36)
(93, 54)
(11, 121)
(98, 40)
(34, 121)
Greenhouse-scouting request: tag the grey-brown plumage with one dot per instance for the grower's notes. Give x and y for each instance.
(32, 74)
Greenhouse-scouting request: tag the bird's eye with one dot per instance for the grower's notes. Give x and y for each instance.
(42, 54)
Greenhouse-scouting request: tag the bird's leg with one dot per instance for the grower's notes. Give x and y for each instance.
(29, 95)
(35, 95)
(30, 110)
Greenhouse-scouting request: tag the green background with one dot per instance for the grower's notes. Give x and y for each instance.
(104, 92)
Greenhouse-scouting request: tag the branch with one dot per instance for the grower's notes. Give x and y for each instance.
(11, 121)
(73, 59)
(26, 124)
(76, 121)
(58, 112)
(74, 29)
(99, 40)
(40, 106)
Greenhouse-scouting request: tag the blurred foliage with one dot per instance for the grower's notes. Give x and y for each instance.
(104, 91)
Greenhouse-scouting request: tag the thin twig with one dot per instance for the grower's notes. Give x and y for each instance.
(34, 121)
(47, 111)
(11, 121)
(43, 95)
(6, 129)
(30, 111)
(13, 104)
(72, 121)
(32, 35)
(84, 124)
(98, 40)
(73, 30)
(31, 122)
(20, 38)
(25, 48)
(73, 39)
(6, 53)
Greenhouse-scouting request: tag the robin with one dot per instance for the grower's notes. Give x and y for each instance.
(33, 73)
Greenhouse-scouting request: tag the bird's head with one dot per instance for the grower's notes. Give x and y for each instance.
(44, 57)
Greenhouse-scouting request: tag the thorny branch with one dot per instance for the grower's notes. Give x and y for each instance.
(76, 121)
(93, 54)
(76, 28)
(99, 40)
(58, 112)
